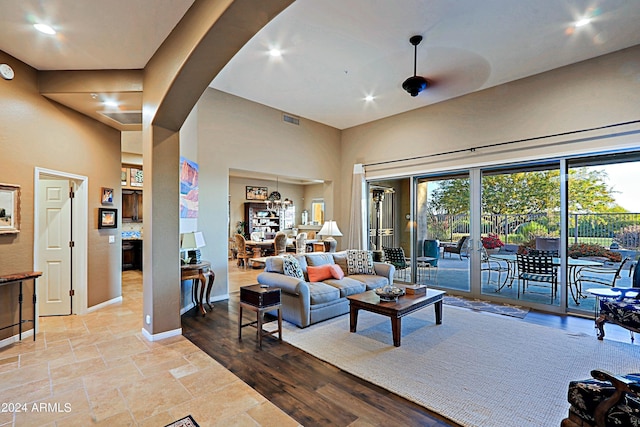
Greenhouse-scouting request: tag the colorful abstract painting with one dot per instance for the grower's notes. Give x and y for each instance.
(188, 188)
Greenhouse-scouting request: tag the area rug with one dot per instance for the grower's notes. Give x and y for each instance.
(476, 369)
(187, 421)
(491, 307)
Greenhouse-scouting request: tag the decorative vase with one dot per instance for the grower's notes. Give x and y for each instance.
(492, 251)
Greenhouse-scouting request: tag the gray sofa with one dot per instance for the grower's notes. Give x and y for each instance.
(304, 302)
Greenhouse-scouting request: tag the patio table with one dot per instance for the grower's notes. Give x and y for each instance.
(574, 264)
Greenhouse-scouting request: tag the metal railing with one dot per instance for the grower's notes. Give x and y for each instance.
(595, 228)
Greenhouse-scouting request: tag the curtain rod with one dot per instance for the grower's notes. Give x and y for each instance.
(500, 144)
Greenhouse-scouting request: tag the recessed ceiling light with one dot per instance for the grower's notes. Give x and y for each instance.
(369, 98)
(45, 29)
(111, 104)
(582, 22)
(275, 52)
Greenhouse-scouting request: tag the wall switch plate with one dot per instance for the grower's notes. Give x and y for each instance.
(112, 239)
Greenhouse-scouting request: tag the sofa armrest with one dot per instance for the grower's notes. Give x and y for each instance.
(288, 284)
(385, 270)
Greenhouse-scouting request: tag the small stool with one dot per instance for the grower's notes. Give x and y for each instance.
(259, 300)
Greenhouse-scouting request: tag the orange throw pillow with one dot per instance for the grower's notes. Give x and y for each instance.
(320, 273)
(336, 271)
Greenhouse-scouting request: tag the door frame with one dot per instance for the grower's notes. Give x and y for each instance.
(80, 232)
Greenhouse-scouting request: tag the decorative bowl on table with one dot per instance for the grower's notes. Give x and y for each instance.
(389, 293)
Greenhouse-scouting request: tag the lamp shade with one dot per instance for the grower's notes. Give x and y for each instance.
(192, 240)
(330, 228)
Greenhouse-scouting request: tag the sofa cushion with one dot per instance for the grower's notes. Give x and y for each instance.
(336, 271)
(359, 262)
(370, 281)
(340, 258)
(317, 259)
(347, 286)
(291, 267)
(320, 293)
(320, 273)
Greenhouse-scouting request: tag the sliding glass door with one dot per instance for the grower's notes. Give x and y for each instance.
(521, 215)
(442, 231)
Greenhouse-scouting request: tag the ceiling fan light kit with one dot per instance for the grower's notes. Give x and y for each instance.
(415, 84)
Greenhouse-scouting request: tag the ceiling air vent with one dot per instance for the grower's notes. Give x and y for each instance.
(124, 117)
(290, 119)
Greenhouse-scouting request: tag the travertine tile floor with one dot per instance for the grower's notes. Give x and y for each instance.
(97, 369)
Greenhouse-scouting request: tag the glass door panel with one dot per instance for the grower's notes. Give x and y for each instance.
(442, 231)
(521, 215)
(603, 225)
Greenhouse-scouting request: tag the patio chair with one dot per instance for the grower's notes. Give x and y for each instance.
(606, 400)
(429, 259)
(395, 257)
(604, 275)
(494, 265)
(538, 269)
(460, 248)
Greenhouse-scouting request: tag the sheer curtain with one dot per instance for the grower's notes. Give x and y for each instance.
(357, 223)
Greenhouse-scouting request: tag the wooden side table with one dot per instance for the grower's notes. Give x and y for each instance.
(199, 273)
(260, 300)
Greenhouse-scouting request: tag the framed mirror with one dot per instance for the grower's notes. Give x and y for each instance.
(9, 208)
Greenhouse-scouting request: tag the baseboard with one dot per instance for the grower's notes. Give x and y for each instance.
(188, 307)
(10, 340)
(104, 304)
(161, 335)
(219, 298)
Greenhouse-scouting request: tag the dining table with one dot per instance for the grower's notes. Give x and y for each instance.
(574, 265)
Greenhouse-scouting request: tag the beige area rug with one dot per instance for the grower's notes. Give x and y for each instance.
(477, 369)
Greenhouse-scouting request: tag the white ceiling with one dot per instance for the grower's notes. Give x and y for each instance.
(335, 52)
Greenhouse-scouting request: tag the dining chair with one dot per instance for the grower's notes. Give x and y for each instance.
(301, 243)
(244, 255)
(537, 269)
(280, 243)
(255, 236)
(604, 275)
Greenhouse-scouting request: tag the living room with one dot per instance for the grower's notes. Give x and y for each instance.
(587, 95)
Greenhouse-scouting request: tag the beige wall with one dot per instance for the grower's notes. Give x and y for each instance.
(234, 133)
(37, 132)
(598, 92)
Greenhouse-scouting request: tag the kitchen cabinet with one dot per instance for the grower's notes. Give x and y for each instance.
(132, 254)
(132, 205)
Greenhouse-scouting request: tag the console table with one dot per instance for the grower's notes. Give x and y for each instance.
(199, 273)
(19, 278)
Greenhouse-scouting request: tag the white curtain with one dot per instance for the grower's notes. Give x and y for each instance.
(357, 222)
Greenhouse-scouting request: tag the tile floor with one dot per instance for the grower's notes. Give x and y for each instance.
(97, 369)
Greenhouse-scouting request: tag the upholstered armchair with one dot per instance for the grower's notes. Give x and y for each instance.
(623, 311)
(606, 400)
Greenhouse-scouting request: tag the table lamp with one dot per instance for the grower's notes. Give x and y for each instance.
(330, 229)
(192, 242)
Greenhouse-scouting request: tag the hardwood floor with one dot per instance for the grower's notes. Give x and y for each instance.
(311, 391)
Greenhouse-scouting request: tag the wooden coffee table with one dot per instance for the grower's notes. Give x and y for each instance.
(396, 310)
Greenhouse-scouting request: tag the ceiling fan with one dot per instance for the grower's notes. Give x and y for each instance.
(415, 84)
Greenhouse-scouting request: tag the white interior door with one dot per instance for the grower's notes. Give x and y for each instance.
(54, 252)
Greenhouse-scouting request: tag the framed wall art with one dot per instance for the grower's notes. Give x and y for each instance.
(256, 193)
(107, 218)
(107, 196)
(123, 177)
(9, 208)
(135, 177)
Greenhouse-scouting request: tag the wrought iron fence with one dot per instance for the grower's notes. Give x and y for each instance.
(598, 228)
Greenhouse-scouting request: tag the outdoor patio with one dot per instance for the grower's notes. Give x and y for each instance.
(452, 273)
